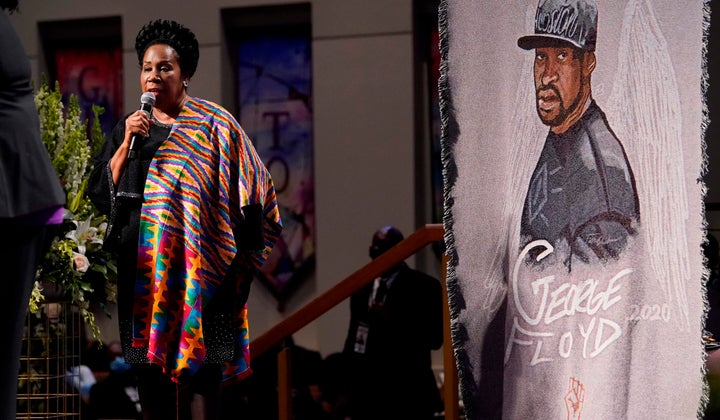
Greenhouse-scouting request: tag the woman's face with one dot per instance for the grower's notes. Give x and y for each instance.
(162, 75)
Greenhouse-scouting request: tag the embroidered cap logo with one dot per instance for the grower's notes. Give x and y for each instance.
(558, 21)
(562, 22)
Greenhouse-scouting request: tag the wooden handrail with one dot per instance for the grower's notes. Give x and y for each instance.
(407, 247)
(278, 334)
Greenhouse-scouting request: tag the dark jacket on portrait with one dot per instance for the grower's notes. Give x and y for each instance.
(582, 196)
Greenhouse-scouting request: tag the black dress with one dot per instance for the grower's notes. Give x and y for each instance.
(123, 205)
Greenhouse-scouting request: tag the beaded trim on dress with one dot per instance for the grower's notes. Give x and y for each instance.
(160, 124)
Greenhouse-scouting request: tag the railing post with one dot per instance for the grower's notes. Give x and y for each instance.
(284, 384)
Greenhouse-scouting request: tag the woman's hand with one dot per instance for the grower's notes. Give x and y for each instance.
(137, 123)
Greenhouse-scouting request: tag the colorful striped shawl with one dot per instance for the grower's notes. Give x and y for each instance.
(197, 184)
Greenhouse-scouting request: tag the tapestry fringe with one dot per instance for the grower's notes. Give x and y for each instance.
(703, 186)
(448, 138)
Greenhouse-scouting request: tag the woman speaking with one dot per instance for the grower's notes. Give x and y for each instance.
(192, 216)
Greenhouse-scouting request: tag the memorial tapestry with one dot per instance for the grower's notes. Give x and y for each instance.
(573, 156)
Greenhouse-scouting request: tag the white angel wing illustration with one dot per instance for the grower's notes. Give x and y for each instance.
(527, 142)
(644, 110)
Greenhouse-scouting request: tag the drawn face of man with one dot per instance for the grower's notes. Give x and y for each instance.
(562, 82)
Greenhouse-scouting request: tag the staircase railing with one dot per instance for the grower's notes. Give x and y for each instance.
(277, 335)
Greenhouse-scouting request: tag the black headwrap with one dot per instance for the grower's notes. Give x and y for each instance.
(171, 33)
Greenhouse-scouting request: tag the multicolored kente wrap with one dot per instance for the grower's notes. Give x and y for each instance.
(198, 182)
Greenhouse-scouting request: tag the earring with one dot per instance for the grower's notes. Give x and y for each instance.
(185, 83)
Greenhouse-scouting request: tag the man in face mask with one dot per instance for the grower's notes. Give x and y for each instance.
(395, 323)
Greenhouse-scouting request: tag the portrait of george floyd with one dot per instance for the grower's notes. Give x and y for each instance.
(582, 196)
(573, 144)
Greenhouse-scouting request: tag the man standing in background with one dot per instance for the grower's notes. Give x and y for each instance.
(396, 322)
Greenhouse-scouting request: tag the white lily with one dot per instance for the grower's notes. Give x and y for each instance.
(84, 233)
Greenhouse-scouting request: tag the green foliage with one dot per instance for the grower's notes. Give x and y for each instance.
(76, 262)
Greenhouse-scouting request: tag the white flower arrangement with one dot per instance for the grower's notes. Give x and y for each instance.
(76, 262)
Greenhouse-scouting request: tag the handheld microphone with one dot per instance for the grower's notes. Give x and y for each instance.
(147, 100)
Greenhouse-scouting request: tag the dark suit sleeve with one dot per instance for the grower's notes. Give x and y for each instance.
(435, 320)
(28, 181)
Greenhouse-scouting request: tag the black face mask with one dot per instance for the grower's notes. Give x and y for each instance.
(375, 251)
(382, 243)
(378, 249)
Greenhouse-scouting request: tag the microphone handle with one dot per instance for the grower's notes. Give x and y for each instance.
(132, 153)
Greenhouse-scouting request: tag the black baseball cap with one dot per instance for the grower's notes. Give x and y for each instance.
(563, 21)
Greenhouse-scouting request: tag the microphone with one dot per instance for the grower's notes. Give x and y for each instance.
(147, 100)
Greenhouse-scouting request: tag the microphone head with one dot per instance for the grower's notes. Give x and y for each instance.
(148, 98)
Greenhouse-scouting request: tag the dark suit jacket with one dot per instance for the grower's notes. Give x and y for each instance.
(395, 371)
(28, 181)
